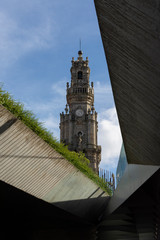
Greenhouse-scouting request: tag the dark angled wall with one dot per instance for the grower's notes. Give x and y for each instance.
(130, 31)
(26, 217)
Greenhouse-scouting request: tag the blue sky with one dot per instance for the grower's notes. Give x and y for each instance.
(38, 40)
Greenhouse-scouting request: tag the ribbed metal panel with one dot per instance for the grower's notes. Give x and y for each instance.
(30, 164)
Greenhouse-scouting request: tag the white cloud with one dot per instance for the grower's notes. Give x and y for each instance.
(103, 96)
(17, 39)
(60, 87)
(109, 138)
(55, 102)
(102, 88)
(52, 124)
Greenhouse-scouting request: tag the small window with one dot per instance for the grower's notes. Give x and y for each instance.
(80, 74)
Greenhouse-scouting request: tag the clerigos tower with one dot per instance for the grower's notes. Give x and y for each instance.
(78, 125)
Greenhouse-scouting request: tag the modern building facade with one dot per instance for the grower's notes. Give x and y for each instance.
(130, 33)
(78, 125)
(122, 164)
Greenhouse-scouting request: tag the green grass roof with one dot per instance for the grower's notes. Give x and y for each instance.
(28, 118)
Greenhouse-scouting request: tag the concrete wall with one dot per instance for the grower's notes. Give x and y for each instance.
(130, 33)
(31, 165)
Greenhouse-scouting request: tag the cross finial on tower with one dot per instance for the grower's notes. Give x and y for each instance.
(80, 51)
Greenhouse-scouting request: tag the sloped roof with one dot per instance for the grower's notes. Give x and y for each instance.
(31, 165)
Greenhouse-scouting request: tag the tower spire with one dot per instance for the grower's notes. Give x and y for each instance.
(80, 44)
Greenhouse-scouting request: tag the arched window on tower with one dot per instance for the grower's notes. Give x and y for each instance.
(80, 75)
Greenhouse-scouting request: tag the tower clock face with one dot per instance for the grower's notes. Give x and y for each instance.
(79, 112)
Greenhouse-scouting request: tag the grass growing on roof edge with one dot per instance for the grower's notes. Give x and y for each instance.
(28, 118)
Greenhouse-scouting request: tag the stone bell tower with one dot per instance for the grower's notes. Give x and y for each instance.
(78, 125)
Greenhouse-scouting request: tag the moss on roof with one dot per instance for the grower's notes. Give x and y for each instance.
(28, 118)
